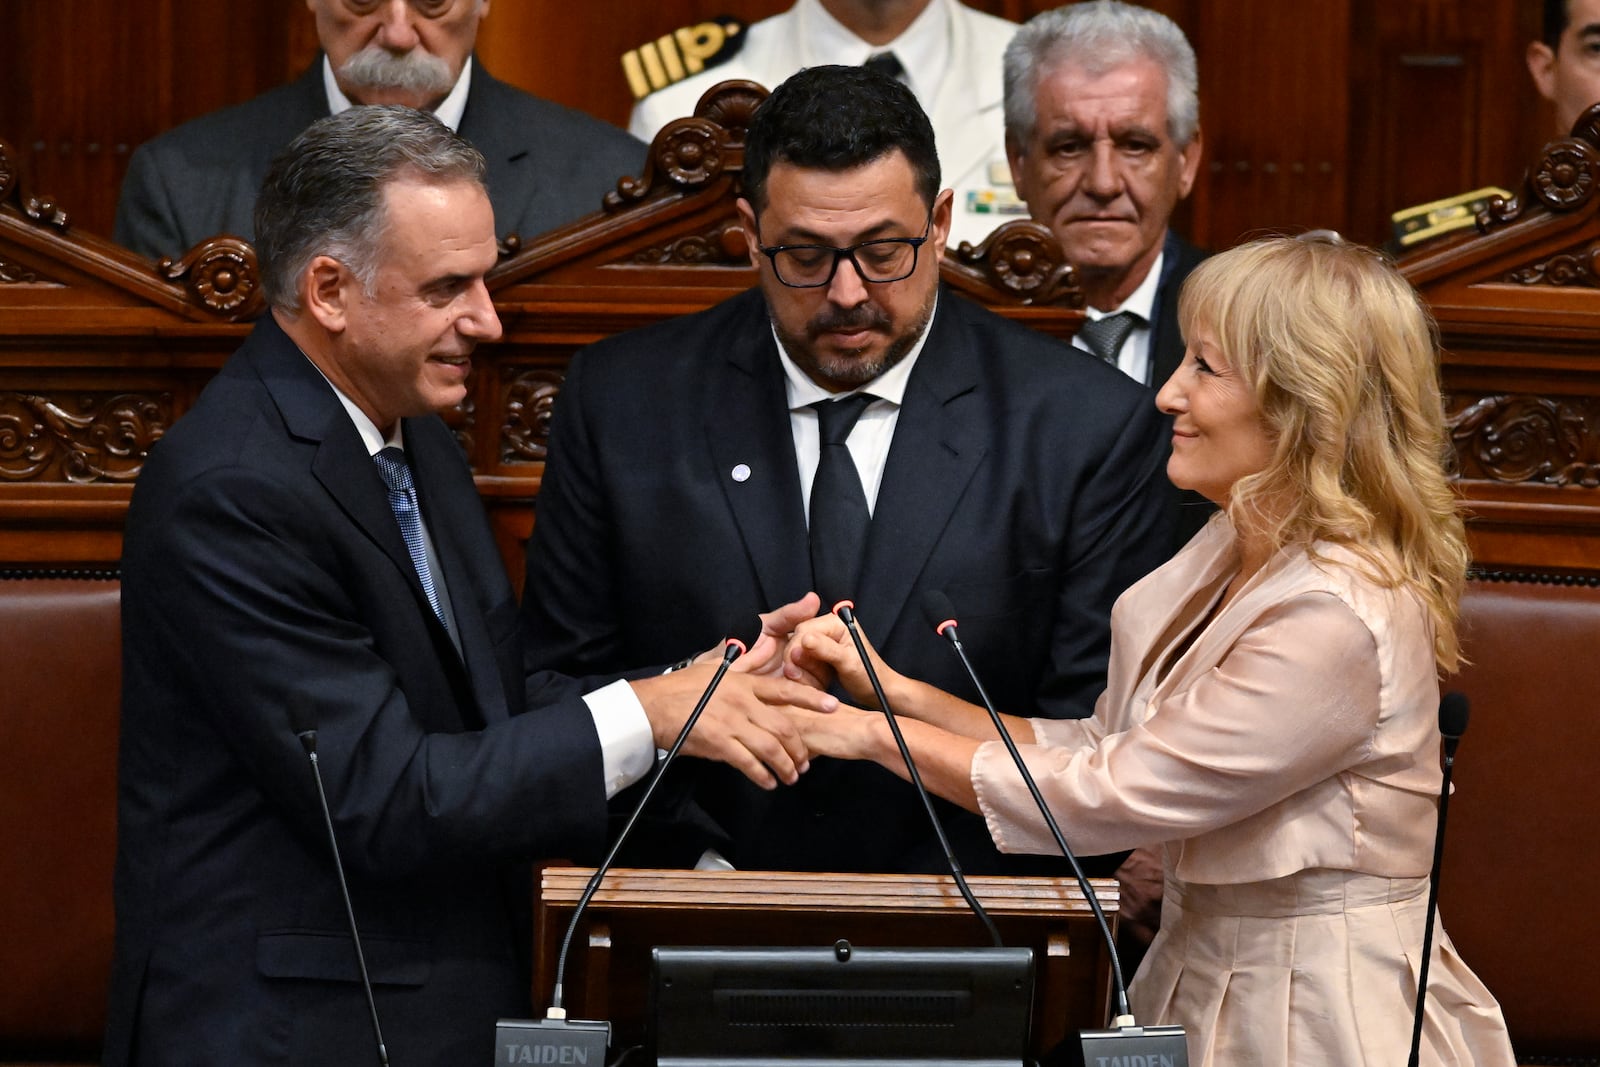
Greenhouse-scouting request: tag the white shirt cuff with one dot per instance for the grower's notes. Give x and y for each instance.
(627, 744)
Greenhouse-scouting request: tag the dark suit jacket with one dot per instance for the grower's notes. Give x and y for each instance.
(1190, 510)
(265, 585)
(548, 164)
(1022, 481)
(1166, 340)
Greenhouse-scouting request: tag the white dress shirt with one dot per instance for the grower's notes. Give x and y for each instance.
(1134, 359)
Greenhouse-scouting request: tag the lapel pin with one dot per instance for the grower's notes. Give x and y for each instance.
(741, 472)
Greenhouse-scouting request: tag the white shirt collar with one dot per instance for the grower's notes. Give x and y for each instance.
(371, 436)
(923, 49)
(1142, 301)
(449, 111)
(890, 385)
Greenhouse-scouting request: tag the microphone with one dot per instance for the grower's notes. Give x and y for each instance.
(846, 612)
(1453, 711)
(308, 740)
(1126, 1040)
(556, 1038)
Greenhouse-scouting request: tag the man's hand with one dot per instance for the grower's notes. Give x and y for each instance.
(1140, 881)
(823, 648)
(745, 724)
(766, 656)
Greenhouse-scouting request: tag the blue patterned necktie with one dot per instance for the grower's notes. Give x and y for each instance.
(396, 474)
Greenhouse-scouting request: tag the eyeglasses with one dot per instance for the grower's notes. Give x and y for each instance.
(887, 259)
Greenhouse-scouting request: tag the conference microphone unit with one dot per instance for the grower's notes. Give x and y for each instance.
(308, 740)
(846, 612)
(1125, 1042)
(556, 1038)
(1453, 711)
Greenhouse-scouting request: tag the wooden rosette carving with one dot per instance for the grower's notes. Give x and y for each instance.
(221, 275)
(692, 152)
(1023, 257)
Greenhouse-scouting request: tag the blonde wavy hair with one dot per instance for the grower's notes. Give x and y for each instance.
(1343, 360)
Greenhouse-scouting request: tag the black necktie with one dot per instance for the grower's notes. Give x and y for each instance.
(1104, 336)
(839, 516)
(886, 63)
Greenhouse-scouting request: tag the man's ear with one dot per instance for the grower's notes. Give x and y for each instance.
(1542, 68)
(1189, 156)
(326, 287)
(747, 220)
(939, 225)
(1018, 173)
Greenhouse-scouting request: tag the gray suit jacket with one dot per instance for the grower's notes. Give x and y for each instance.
(548, 164)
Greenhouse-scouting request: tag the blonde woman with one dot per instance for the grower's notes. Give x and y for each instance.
(1271, 711)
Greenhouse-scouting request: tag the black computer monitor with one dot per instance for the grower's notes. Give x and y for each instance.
(805, 1007)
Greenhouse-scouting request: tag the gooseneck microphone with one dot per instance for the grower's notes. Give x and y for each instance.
(1127, 1039)
(845, 610)
(941, 614)
(308, 740)
(1453, 710)
(555, 1038)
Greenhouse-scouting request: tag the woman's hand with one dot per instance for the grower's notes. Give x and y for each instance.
(844, 733)
(822, 649)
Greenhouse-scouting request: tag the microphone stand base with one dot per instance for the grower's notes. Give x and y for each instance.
(551, 1041)
(1125, 1046)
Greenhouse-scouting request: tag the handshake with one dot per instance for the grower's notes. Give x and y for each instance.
(773, 709)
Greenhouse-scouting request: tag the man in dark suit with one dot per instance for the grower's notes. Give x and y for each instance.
(548, 164)
(1103, 135)
(688, 460)
(305, 550)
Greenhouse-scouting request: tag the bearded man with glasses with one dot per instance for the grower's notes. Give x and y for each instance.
(851, 429)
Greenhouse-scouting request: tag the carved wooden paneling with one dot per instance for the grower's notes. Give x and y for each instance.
(97, 363)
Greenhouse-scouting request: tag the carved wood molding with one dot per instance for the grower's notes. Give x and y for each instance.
(89, 437)
(1023, 257)
(530, 401)
(690, 153)
(1551, 441)
(16, 274)
(221, 275)
(41, 210)
(723, 244)
(1576, 268)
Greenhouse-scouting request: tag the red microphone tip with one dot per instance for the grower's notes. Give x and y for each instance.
(851, 604)
(943, 626)
(734, 642)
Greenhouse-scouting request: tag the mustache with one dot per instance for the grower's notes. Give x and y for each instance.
(416, 71)
(838, 319)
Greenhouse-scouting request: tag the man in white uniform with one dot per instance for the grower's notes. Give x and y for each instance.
(948, 54)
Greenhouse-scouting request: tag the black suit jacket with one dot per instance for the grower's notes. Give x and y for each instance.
(1166, 340)
(1024, 481)
(266, 586)
(547, 164)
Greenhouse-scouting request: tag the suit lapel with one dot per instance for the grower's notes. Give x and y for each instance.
(752, 455)
(939, 442)
(450, 514)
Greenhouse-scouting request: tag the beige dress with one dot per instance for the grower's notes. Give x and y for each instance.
(1287, 761)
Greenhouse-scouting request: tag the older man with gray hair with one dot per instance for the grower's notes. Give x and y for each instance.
(1103, 136)
(306, 556)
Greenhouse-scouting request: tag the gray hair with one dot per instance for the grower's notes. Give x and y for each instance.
(1099, 35)
(324, 194)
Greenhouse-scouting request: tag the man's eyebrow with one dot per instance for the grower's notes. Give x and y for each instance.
(804, 236)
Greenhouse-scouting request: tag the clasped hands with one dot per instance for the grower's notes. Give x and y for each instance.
(773, 710)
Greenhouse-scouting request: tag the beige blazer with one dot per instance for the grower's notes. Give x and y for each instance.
(1298, 730)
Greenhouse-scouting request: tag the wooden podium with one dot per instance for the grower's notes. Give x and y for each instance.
(608, 968)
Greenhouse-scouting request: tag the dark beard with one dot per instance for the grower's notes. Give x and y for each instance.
(850, 372)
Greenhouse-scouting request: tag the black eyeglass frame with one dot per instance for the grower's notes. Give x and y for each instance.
(916, 243)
